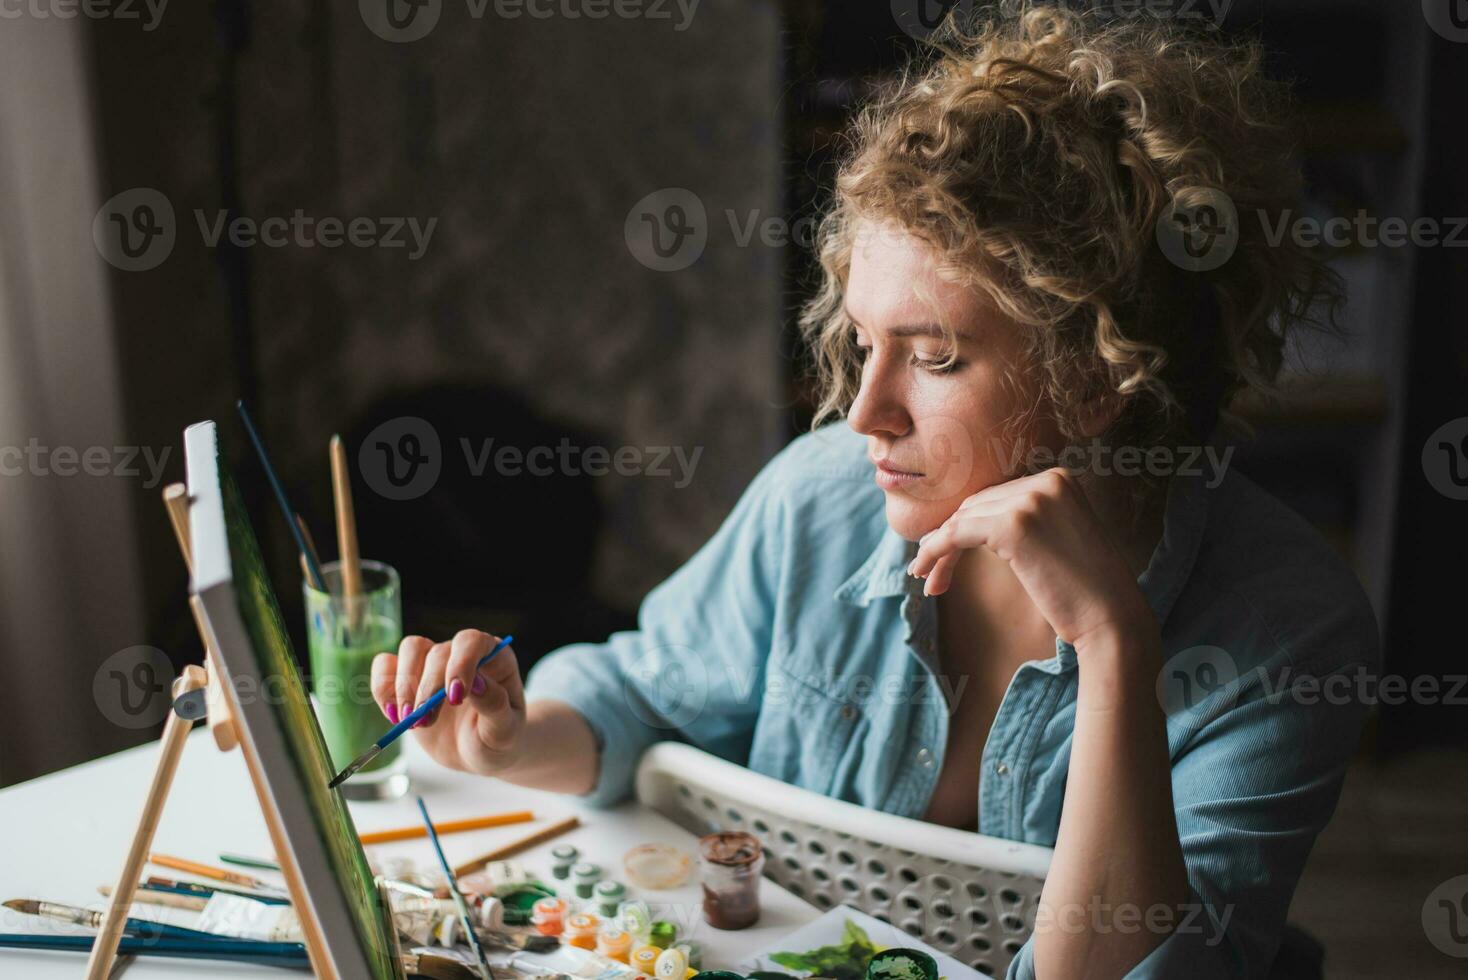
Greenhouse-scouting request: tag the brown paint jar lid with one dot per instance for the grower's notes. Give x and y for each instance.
(732, 848)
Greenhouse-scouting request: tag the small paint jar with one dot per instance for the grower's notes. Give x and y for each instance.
(585, 876)
(636, 919)
(662, 934)
(694, 952)
(614, 943)
(730, 865)
(671, 965)
(548, 916)
(609, 895)
(562, 859)
(581, 930)
(644, 959)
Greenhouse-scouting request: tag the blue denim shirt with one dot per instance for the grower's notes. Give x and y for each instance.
(794, 643)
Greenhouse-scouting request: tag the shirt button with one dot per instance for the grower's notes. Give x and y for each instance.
(1002, 769)
(925, 758)
(848, 712)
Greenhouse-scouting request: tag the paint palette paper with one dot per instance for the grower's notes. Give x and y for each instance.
(830, 929)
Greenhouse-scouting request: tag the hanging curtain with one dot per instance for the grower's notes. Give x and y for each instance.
(69, 595)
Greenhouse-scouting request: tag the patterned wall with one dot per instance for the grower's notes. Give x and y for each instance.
(527, 140)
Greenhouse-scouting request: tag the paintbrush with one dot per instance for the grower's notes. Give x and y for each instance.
(289, 955)
(149, 896)
(317, 581)
(350, 558)
(406, 723)
(198, 888)
(529, 942)
(92, 919)
(236, 878)
(465, 919)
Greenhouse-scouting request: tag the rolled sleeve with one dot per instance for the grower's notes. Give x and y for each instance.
(693, 670)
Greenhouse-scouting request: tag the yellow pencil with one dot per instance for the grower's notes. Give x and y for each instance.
(448, 827)
(209, 871)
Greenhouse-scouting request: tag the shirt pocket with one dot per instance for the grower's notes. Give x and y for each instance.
(807, 729)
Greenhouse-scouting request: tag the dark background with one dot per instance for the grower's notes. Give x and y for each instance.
(529, 319)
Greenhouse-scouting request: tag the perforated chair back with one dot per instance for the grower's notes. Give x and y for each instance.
(973, 897)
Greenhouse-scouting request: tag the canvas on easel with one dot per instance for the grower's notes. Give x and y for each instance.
(345, 917)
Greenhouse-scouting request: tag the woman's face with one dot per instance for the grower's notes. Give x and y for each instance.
(935, 434)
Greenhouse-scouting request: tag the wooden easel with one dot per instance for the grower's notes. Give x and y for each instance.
(188, 706)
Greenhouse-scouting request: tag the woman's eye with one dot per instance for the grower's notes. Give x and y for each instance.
(937, 365)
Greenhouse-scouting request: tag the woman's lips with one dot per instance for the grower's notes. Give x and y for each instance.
(891, 478)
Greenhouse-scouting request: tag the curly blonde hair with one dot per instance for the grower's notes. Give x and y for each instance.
(1036, 152)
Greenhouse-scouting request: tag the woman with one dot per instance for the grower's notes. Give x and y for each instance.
(919, 611)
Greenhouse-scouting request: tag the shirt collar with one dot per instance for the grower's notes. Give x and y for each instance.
(884, 573)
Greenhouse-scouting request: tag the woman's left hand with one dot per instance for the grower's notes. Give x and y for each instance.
(1044, 527)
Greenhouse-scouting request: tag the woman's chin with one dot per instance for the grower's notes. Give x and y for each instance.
(912, 518)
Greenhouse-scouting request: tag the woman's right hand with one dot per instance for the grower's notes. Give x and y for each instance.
(477, 727)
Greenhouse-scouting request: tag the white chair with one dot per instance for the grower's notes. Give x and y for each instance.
(973, 897)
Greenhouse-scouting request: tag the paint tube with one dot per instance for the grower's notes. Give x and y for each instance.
(245, 918)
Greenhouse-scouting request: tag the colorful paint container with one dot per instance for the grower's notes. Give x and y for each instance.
(609, 895)
(585, 876)
(548, 916)
(671, 965)
(614, 943)
(644, 959)
(562, 860)
(581, 930)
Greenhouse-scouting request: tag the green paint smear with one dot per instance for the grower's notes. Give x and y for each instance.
(287, 696)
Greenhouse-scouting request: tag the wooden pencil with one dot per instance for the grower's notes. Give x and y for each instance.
(209, 871)
(516, 846)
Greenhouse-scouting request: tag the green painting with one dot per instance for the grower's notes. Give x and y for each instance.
(284, 690)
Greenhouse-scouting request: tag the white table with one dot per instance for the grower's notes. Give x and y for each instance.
(66, 833)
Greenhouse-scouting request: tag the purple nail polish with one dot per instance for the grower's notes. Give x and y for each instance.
(404, 710)
(456, 691)
(478, 686)
(392, 712)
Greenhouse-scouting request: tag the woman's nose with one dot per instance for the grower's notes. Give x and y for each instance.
(878, 406)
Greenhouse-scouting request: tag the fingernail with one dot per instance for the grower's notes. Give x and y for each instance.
(404, 710)
(392, 712)
(478, 686)
(456, 691)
